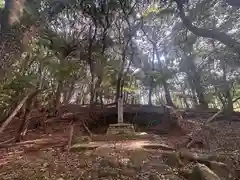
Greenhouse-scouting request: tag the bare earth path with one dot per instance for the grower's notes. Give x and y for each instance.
(153, 159)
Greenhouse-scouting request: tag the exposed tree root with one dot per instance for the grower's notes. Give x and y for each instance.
(7, 141)
(37, 142)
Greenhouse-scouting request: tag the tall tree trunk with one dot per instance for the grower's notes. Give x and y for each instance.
(227, 97)
(98, 89)
(150, 95)
(199, 91)
(90, 62)
(193, 91)
(70, 91)
(65, 94)
(195, 82)
(164, 82)
(228, 106)
(92, 91)
(99, 81)
(151, 82)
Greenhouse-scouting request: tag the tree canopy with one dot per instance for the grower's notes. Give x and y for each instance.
(181, 53)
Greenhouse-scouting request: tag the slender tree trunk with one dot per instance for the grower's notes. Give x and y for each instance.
(125, 97)
(193, 95)
(227, 97)
(98, 89)
(27, 107)
(195, 80)
(167, 94)
(58, 93)
(228, 106)
(199, 91)
(164, 83)
(90, 62)
(92, 92)
(99, 81)
(22, 124)
(185, 102)
(101, 98)
(151, 82)
(70, 91)
(65, 94)
(132, 100)
(150, 94)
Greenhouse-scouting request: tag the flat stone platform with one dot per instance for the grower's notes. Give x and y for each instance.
(121, 128)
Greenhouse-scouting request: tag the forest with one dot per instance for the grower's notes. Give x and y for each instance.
(65, 64)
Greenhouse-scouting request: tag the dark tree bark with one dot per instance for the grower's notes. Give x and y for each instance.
(208, 33)
(151, 80)
(150, 94)
(22, 124)
(194, 76)
(164, 82)
(185, 102)
(58, 93)
(27, 107)
(228, 102)
(196, 81)
(167, 94)
(90, 62)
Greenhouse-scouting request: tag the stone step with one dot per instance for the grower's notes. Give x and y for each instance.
(121, 128)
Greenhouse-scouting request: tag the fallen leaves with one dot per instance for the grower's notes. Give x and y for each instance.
(128, 159)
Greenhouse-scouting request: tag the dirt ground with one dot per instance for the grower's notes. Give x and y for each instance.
(47, 158)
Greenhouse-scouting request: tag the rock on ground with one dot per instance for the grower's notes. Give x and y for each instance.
(202, 172)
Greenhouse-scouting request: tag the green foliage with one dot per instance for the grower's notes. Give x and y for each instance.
(2, 3)
(156, 12)
(130, 89)
(20, 82)
(62, 51)
(152, 10)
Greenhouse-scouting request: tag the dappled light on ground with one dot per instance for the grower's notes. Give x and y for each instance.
(123, 159)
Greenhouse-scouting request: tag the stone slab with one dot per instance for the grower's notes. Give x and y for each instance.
(121, 128)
